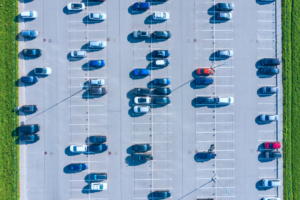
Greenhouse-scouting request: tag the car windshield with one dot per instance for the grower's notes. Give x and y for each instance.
(31, 108)
(74, 148)
(75, 53)
(80, 167)
(31, 14)
(76, 5)
(41, 70)
(161, 53)
(31, 32)
(101, 187)
(143, 33)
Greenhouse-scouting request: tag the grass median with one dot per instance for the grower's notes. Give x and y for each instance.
(9, 161)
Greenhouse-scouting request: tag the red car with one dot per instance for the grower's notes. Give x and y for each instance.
(205, 71)
(272, 145)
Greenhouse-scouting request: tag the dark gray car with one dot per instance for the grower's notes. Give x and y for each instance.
(269, 90)
(225, 6)
(30, 128)
(272, 154)
(98, 90)
(29, 108)
(163, 91)
(141, 91)
(269, 70)
(206, 100)
(141, 147)
(162, 34)
(162, 100)
(30, 137)
(97, 139)
(270, 61)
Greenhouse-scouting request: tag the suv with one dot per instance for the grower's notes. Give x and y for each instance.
(97, 44)
(142, 91)
(32, 52)
(141, 157)
(30, 128)
(43, 71)
(225, 6)
(30, 33)
(96, 63)
(162, 34)
(141, 5)
(141, 34)
(29, 108)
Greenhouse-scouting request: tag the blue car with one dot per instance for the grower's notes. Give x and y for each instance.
(98, 147)
(30, 33)
(96, 63)
(162, 81)
(141, 5)
(29, 79)
(204, 81)
(206, 155)
(141, 72)
(77, 167)
(161, 53)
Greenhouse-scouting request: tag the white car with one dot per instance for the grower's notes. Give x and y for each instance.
(224, 100)
(76, 6)
(97, 44)
(98, 186)
(142, 100)
(29, 14)
(78, 148)
(97, 16)
(96, 82)
(43, 71)
(141, 109)
(271, 198)
(161, 16)
(78, 54)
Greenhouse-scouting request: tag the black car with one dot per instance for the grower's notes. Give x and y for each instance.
(30, 137)
(206, 155)
(141, 91)
(204, 81)
(141, 147)
(225, 6)
(160, 0)
(30, 128)
(163, 91)
(98, 147)
(274, 154)
(162, 34)
(270, 61)
(141, 157)
(29, 108)
(32, 52)
(98, 90)
(97, 139)
(161, 53)
(162, 100)
(98, 176)
(162, 194)
(29, 79)
(269, 70)
(205, 100)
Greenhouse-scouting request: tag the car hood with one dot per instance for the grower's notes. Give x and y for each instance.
(135, 34)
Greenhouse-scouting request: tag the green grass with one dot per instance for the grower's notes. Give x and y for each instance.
(9, 156)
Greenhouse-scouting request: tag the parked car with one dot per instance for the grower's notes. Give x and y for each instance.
(161, 53)
(162, 34)
(204, 81)
(30, 128)
(30, 137)
(99, 186)
(161, 63)
(224, 53)
(270, 61)
(75, 6)
(272, 145)
(32, 52)
(78, 148)
(142, 100)
(97, 16)
(78, 54)
(161, 16)
(98, 0)
(141, 34)
(141, 157)
(270, 183)
(162, 194)
(161, 100)
(160, 0)
(141, 147)
(29, 79)
(77, 167)
(98, 147)
(142, 91)
(206, 155)
(161, 81)
(29, 33)
(270, 198)
(269, 90)
(205, 71)
(224, 100)
(98, 90)
(98, 176)
(163, 91)
(141, 6)
(97, 139)
(224, 16)
(29, 14)
(269, 70)
(141, 109)
(225, 6)
(43, 71)
(205, 100)
(268, 118)
(96, 82)
(96, 63)
(97, 44)
(29, 108)
(272, 154)
(141, 72)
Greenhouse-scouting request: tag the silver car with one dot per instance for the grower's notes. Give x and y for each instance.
(141, 109)
(141, 34)
(97, 16)
(78, 54)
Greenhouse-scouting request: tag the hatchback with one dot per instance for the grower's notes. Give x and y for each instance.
(30, 128)
(141, 109)
(141, 147)
(225, 6)
(29, 33)
(97, 139)
(269, 70)
(77, 167)
(29, 108)
(141, 72)
(29, 79)
(161, 53)
(98, 90)
(96, 63)
(163, 91)
(141, 5)
(32, 52)
(205, 71)
(223, 16)
(161, 100)
(161, 81)
(204, 81)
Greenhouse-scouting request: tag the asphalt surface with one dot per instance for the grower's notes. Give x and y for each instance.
(69, 115)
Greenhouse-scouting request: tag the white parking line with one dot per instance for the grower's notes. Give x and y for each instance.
(212, 30)
(214, 113)
(267, 48)
(216, 141)
(153, 188)
(219, 178)
(217, 39)
(87, 133)
(217, 132)
(152, 132)
(152, 123)
(217, 150)
(89, 114)
(217, 169)
(215, 123)
(87, 105)
(268, 168)
(145, 170)
(267, 140)
(85, 77)
(267, 103)
(266, 21)
(86, 161)
(266, 131)
(85, 124)
(148, 179)
(84, 30)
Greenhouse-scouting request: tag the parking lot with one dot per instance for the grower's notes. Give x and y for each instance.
(68, 114)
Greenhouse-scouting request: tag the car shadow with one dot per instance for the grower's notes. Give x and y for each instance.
(19, 37)
(259, 186)
(19, 83)
(132, 76)
(21, 113)
(130, 162)
(86, 20)
(258, 65)
(25, 1)
(158, 105)
(132, 11)
(261, 147)
(214, 20)
(212, 10)
(152, 66)
(149, 57)
(149, 20)
(264, 3)
(20, 142)
(22, 57)
(151, 85)
(87, 190)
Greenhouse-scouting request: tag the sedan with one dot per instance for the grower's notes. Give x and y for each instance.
(270, 198)
(96, 82)
(97, 16)
(225, 6)
(30, 128)
(141, 147)
(32, 52)
(96, 63)
(30, 137)
(142, 100)
(141, 34)
(98, 147)
(161, 53)
(29, 33)
(223, 16)
(204, 81)
(272, 145)
(206, 155)
(141, 109)
(29, 14)
(142, 91)
(29, 108)
(98, 176)
(162, 194)
(269, 70)
(98, 139)
(141, 72)
(161, 81)
(272, 154)
(224, 100)
(270, 182)
(205, 71)
(43, 71)
(162, 100)
(270, 61)
(224, 53)
(77, 167)
(78, 54)
(98, 90)
(268, 118)
(29, 79)
(97, 44)
(205, 100)
(75, 6)
(141, 5)
(161, 63)
(78, 148)
(269, 90)
(162, 34)
(141, 157)
(163, 91)
(161, 16)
